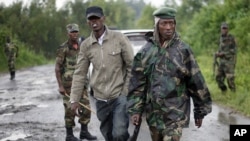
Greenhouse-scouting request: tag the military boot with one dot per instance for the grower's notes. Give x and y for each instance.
(12, 75)
(84, 134)
(70, 136)
(223, 89)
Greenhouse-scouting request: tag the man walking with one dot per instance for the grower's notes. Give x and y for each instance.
(11, 52)
(66, 58)
(227, 55)
(111, 55)
(165, 76)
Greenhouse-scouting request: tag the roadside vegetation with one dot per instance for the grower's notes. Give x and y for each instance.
(39, 28)
(238, 101)
(26, 58)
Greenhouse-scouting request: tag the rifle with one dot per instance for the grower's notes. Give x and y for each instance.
(216, 63)
(136, 131)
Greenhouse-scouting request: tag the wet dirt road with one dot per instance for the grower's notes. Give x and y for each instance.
(31, 110)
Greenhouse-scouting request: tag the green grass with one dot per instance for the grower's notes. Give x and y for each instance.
(26, 58)
(239, 100)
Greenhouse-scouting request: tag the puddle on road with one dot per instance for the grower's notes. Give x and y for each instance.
(15, 109)
(42, 106)
(16, 136)
(228, 116)
(8, 114)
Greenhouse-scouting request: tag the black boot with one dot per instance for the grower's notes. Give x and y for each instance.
(84, 134)
(223, 88)
(12, 75)
(70, 136)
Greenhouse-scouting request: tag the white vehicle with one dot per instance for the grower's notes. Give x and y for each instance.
(136, 37)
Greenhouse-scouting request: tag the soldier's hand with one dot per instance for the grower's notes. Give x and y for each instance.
(62, 90)
(218, 54)
(135, 119)
(198, 122)
(75, 108)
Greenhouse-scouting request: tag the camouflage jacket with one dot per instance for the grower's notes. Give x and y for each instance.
(11, 50)
(163, 80)
(228, 49)
(66, 57)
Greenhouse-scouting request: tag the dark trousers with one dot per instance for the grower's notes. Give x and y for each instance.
(114, 119)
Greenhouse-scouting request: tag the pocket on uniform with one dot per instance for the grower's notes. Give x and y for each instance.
(115, 58)
(114, 53)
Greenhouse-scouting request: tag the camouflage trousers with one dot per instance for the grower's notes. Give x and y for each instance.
(165, 135)
(11, 62)
(69, 116)
(225, 72)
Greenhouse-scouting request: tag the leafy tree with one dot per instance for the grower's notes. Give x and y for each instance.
(147, 19)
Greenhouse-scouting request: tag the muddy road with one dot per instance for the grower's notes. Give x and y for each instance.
(31, 109)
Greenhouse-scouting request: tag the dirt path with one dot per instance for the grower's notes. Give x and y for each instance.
(31, 110)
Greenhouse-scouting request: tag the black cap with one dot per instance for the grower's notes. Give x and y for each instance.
(94, 11)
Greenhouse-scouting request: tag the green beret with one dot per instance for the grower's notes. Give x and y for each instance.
(165, 13)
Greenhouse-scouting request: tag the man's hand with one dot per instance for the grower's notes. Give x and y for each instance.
(61, 90)
(198, 122)
(218, 54)
(75, 108)
(135, 119)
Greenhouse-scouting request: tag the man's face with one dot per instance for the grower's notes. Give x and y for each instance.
(224, 30)
(96, 23)
(166, 28)
(73, 35)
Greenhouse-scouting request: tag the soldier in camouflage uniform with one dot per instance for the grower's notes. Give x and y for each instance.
(227, 54)
(11, 51)
(66, 58)
(165, 76)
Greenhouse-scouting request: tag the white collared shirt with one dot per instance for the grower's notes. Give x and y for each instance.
(100, 40)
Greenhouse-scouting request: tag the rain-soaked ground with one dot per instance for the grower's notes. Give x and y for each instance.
(31, 110)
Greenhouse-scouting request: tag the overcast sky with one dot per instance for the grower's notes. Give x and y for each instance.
(59, 3)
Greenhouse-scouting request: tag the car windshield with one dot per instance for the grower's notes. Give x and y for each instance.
(136, 37)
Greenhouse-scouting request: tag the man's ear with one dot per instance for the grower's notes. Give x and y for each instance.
(103, 18)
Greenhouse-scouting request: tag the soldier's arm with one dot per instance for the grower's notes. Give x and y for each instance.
(137, 87)
(58, 69)
(198, 90)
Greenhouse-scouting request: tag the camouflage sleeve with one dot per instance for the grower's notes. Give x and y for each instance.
(137, 87)
(198, 89)
(6, 49)
(60, 55)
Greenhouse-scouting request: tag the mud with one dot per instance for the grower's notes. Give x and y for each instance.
(31, 109)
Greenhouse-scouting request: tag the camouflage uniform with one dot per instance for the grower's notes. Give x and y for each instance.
(11, 51)
(67, 57)
(162, 83)
(227, 62)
